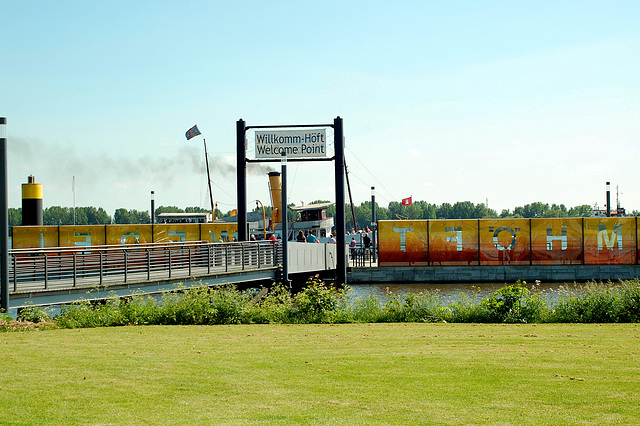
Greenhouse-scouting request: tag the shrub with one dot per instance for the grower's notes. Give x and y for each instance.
(4, 316)
(229, 305)
(630, 301)
(420, 307)
(514, 304)
(465, 310)
(322, 303)
(33, 314)
(316, 303)
(365, 309)
(188, 307)
(275, 307)
(589, 303)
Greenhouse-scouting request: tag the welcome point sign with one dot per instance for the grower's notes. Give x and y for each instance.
(308, 143)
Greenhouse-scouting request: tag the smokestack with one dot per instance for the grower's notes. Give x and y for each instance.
(608, 199)
(275, 186)
(31, 202)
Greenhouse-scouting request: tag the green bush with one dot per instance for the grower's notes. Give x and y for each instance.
(465, 310)
(514, 304)
(33, 314)
(229, 305)
(275, 307)
(630, 301)
(365, 309)
(316, 303)
(321, 303)
(592, 303)
(4, 316)
(187, 307)
(420, 307)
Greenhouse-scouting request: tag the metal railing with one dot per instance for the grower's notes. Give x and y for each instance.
(90, 266)
(361, 256)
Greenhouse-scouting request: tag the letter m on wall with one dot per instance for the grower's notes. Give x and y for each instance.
(608, 241)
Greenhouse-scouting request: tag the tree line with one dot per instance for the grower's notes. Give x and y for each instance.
(459, 210)
(57, 215)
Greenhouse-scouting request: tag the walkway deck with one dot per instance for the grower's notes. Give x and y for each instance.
(57, 275)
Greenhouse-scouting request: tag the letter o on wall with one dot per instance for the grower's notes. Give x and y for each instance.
(497, 243)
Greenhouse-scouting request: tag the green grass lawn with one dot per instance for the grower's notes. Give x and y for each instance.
(323, 374)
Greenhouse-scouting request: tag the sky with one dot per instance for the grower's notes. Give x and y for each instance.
(503, 102)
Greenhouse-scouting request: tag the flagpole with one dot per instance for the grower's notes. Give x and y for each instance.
(206, 158)
(412, 207)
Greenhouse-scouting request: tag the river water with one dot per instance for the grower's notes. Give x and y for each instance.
(450, 293)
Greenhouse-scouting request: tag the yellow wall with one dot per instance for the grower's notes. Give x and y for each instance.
(406, 242)
(85, 235)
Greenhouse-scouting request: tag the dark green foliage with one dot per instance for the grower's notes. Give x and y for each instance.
(630, 301)
(466, 310)
(322, 303)
(316, 303)
(514, 304)
(33, 314)
(124, 216)
(589, 303)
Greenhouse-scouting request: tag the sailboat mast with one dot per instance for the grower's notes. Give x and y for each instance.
(206, 158)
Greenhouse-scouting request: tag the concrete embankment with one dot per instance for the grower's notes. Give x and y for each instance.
(489, 274)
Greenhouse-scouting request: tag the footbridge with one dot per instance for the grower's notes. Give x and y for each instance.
(62, 275)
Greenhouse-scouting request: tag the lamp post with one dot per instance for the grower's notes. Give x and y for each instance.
(4, 220)
(373, 222)
(285, 220)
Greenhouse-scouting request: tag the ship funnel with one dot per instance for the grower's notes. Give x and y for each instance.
(31, 202)
(275, 186)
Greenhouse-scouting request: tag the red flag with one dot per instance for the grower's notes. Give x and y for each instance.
(407, 201)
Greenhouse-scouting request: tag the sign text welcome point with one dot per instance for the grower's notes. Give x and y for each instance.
(309, 143)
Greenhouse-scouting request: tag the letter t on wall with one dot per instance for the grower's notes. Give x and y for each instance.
(403, 238)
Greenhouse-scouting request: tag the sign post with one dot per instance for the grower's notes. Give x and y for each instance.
(4, 220)
(297, 143)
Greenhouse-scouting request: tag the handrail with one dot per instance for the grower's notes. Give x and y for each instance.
(58, 268)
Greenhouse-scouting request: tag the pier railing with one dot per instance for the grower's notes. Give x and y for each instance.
(90, 266)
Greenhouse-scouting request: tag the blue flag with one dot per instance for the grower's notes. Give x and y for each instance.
(192, 132)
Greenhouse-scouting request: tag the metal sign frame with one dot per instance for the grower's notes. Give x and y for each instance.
(338, 158)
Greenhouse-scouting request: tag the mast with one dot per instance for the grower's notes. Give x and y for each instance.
(353, 213)
(206, 158)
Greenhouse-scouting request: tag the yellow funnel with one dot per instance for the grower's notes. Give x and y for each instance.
(275, 185)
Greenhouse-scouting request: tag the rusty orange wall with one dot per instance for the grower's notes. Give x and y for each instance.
(509, 241)
(556, 241)
(504, 242)
(610, 241)
(453, 242)
(403, 242)
(69, 236)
